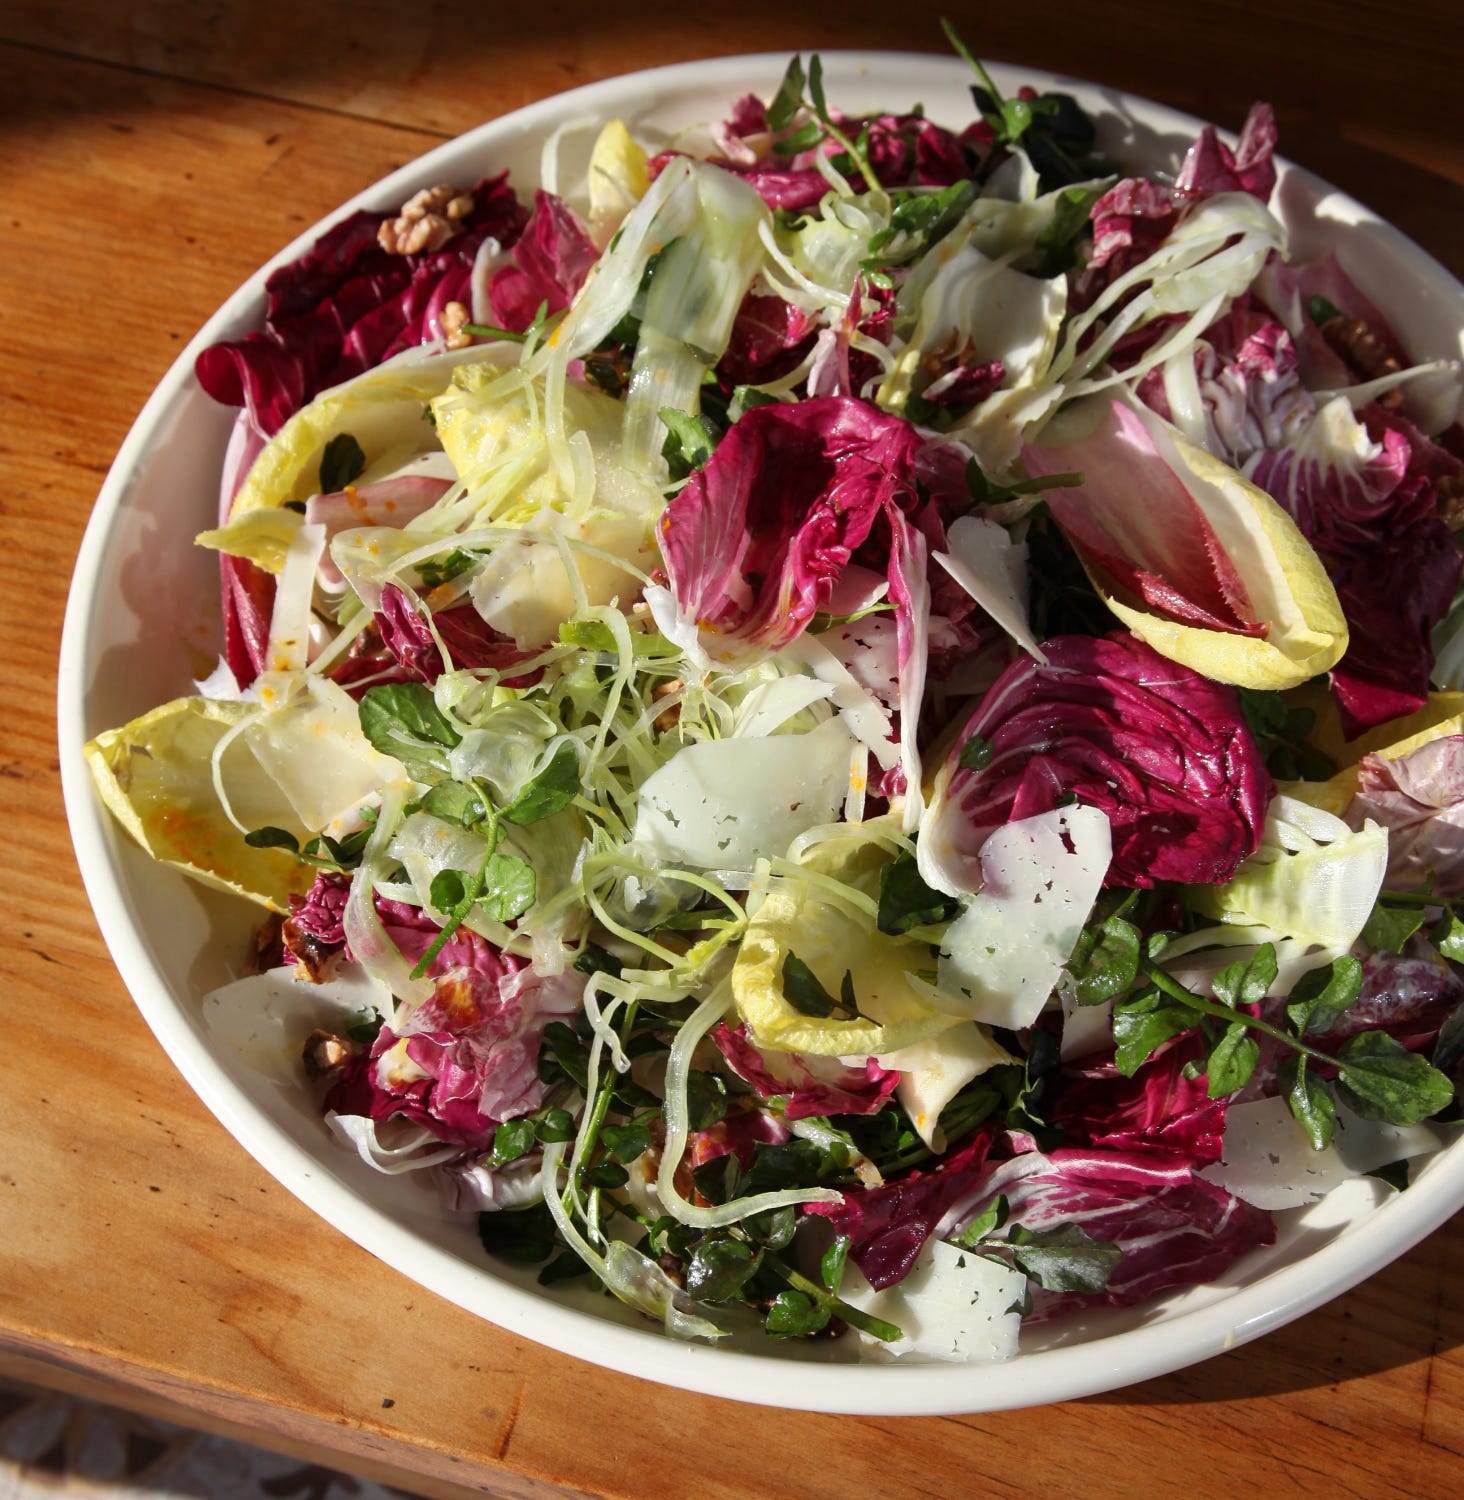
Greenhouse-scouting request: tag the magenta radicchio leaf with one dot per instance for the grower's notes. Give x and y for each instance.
(1366, 497)
(738, 1133)
(1163, 751)
(1291, 289)
(1135, 216)
(1248, 374)
(346, 305)
(769, 338)
(903, 151)
(471, 642)
(1158, 1109)
(758, 539)
(888, 1226)
(551, 260)
(1419, 799)
(467, 1057)
(1174, 1227)
(814, 1085)
(248, 604)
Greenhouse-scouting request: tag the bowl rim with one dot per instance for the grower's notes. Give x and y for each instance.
(1101, 1364)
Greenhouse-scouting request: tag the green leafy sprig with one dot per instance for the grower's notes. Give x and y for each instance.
(1376, 1076)
(804, 93)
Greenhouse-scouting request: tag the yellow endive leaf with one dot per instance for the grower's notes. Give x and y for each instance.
(155, 776)
(803, 916)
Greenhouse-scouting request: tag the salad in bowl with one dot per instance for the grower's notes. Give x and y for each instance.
(845, 727)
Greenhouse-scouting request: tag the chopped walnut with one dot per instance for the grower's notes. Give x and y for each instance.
(326, 1054)
(428, 220)
(451, 320)
(265, 954)
(1355, 343)
(1450, 490)
(667, 721)
(314, 959)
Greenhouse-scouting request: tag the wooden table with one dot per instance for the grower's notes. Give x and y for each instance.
(152, 154)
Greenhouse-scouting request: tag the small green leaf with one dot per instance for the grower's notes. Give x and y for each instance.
(1448, 936)
(1247, 981)
(816, 87)
(1449, 1049)
(402, 720)
(794, 1314)
(706, 1099)
(509, 888)
(1143, 1023)
(551, 791)
(984, 1225)
(593, 959)
(718, 1180)
(720, 1268)
(976, 754)
(448, 889)
(564, 1267)
(1106, 966)
(556, 1125)
(523, 1235)
(453, 802)
(803, 990)
(689, 442)
(1389, 927)
(1381, 1079)
(1065, 1259)
(1231, 1061)
(341, 461)
(831, 1267)
(272, 838)
(605, 1174)
(1310, 1101)
(789, 99)
(905, 901)
(1320, 997)
(511, 1140)
(626, 1142)
(1320, 310)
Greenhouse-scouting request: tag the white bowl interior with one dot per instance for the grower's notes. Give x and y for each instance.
(141, 624)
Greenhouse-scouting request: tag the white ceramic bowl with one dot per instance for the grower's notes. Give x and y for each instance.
(142, 622)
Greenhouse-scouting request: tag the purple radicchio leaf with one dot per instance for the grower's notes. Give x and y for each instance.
(346, 305)
(1163, 751)
(814, 1085)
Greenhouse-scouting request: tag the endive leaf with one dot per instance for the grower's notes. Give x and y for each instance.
(1193, 558)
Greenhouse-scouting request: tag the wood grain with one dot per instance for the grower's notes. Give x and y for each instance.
(153, 155)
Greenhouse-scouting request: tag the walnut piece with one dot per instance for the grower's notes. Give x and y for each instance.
(428, 220)
(451, 320)
(1358, 346)
(326, 1054)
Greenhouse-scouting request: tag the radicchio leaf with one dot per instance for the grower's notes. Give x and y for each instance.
(346, 305)
(814, 1085)
(1161, 750)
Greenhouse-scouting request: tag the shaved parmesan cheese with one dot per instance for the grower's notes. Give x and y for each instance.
(934, 1071)
(992, 568)
(720, 804)
(1269, 1162)
(313, 749)
(953, 1304)
(1002, 956)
